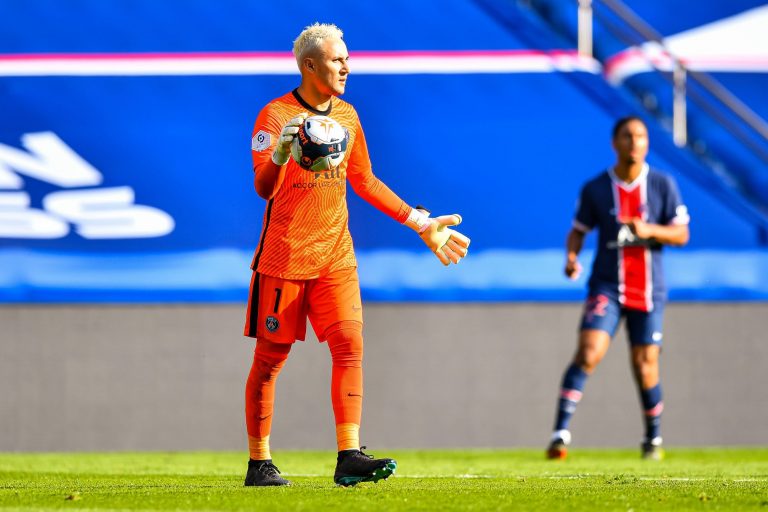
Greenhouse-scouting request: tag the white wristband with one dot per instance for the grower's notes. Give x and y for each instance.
(418, 220)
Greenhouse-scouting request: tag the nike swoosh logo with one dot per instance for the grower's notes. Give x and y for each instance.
(264, 417)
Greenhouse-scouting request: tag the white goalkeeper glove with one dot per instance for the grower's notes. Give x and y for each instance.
(448, 245)
(282, 151)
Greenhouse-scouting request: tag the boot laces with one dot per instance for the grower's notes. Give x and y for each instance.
(365, 454)
(269, 469)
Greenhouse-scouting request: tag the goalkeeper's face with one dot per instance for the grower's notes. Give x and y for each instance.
(331, 67)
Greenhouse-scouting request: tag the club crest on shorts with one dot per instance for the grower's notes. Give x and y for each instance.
(260, 141)
(272, 324)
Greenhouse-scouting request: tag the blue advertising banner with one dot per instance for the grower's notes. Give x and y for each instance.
(125, 173)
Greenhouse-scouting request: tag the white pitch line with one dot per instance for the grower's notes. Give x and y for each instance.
(556, 477)
(400, 476)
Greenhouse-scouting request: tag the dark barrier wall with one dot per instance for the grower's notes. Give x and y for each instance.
(172, 378)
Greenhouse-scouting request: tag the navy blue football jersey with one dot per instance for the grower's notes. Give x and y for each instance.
(624, 265)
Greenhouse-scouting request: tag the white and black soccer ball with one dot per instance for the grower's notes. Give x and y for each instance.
(320, 144)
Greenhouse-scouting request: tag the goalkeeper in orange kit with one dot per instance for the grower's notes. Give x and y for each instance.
(304, 265)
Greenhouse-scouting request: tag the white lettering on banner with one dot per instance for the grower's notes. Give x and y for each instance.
(18, 220)
(108, 213)
(97, 213)
(49, 159)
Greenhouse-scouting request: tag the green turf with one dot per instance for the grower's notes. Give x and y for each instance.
(689, 479)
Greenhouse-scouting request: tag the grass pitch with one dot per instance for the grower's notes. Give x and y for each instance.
(689, 479)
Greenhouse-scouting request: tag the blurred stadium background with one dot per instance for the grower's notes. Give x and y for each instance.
(128, 217)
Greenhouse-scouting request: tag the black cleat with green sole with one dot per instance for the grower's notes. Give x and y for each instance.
(354, 466)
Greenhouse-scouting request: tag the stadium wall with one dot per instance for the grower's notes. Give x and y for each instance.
(82, 378)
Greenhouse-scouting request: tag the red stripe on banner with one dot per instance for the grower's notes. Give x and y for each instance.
(633, 61)
(634, 268)
(385, 54)
(143, 56)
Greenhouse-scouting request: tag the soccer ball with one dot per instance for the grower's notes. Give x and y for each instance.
(320, 144)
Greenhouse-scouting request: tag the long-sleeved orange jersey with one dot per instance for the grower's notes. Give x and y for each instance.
(305, 233)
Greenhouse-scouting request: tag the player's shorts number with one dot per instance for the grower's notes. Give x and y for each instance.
(278, 294)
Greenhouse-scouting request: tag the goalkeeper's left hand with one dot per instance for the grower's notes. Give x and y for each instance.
(448, 245)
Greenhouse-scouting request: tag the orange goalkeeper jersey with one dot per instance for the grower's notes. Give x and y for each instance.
(305, 232)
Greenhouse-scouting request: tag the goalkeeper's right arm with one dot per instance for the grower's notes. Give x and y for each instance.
(448, 245)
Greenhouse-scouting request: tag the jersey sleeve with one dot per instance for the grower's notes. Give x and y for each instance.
(585, 218)
(674, 211)
(266, 132)
(368, 186)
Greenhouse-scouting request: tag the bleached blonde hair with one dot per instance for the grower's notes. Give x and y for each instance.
(312, 37)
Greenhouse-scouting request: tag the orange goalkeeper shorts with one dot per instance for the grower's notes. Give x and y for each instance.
(278, 308)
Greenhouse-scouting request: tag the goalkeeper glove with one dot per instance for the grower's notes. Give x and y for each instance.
(282, 151)
(447, 244)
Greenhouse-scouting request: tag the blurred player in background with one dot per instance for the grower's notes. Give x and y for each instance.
(636, 210)
(304, 265)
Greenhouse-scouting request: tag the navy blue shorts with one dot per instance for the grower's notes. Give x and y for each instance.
(603, 312)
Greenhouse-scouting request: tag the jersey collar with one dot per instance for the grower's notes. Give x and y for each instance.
(326, 112)
(629, 186)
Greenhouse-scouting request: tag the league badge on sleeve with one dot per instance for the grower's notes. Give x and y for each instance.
(260, 141)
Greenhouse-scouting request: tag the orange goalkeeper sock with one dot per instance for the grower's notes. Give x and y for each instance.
(268, 360)
(348, 436)
(345, 340)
